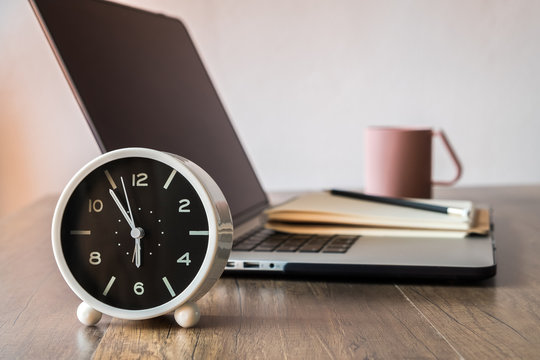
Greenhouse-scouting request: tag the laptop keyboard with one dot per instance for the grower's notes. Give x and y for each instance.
(269, 240)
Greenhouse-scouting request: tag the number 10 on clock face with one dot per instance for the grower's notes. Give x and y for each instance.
(134, 233)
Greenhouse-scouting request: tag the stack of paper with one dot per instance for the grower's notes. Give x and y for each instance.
(324, 213)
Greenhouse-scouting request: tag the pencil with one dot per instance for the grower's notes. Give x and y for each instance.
(402, 202)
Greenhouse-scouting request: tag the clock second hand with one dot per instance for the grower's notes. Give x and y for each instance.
(127, 201)
(136, 232)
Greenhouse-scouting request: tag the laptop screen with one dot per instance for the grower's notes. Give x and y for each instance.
(140, 82)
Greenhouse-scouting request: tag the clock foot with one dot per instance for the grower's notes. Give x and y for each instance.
(88, 315)
(187, 315)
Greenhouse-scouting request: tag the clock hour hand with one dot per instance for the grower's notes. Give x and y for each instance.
(138, 252)
(136, 233)
(136, 258)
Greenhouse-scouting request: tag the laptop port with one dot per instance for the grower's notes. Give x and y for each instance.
(251, 265)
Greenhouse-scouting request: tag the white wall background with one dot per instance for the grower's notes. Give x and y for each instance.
(301, 80)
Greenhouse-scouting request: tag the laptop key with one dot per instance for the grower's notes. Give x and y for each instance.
(293, 243)
(245, 246)
(271, 243)
(344, 240)
(339, 244)
(251, 240)
(315, 244)
(266, 247)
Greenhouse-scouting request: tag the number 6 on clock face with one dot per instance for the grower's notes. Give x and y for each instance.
(138, 232)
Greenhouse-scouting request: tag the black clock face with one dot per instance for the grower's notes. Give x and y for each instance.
(136, 248)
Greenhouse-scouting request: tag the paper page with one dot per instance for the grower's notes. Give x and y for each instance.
(322, 207)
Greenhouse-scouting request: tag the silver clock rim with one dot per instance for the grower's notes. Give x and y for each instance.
(219, 240)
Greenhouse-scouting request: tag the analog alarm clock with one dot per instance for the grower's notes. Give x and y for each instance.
(138, 233)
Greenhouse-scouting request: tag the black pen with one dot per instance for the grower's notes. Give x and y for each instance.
(402, 202)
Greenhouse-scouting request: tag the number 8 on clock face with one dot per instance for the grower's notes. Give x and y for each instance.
(137, 233)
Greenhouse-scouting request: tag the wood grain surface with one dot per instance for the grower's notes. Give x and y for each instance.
(278, 318)
(499, 318)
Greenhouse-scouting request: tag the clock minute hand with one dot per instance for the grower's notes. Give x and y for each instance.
(122, 210)
(127, 201)
(136, 232)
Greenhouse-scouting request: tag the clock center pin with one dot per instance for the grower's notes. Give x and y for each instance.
(137, 233)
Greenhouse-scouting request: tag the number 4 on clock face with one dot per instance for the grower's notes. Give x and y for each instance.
(184, 259)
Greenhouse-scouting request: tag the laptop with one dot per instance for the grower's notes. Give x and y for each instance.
(139, 81)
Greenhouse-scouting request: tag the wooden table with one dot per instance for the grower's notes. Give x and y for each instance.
(245, 318)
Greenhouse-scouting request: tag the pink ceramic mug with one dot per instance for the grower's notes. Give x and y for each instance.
(398, 161)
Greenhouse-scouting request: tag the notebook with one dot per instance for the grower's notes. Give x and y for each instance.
(325, 213)
(139, 81)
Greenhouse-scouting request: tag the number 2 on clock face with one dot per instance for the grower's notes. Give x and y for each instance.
(134, 233)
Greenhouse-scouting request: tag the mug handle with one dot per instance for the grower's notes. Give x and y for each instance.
(454, 157)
